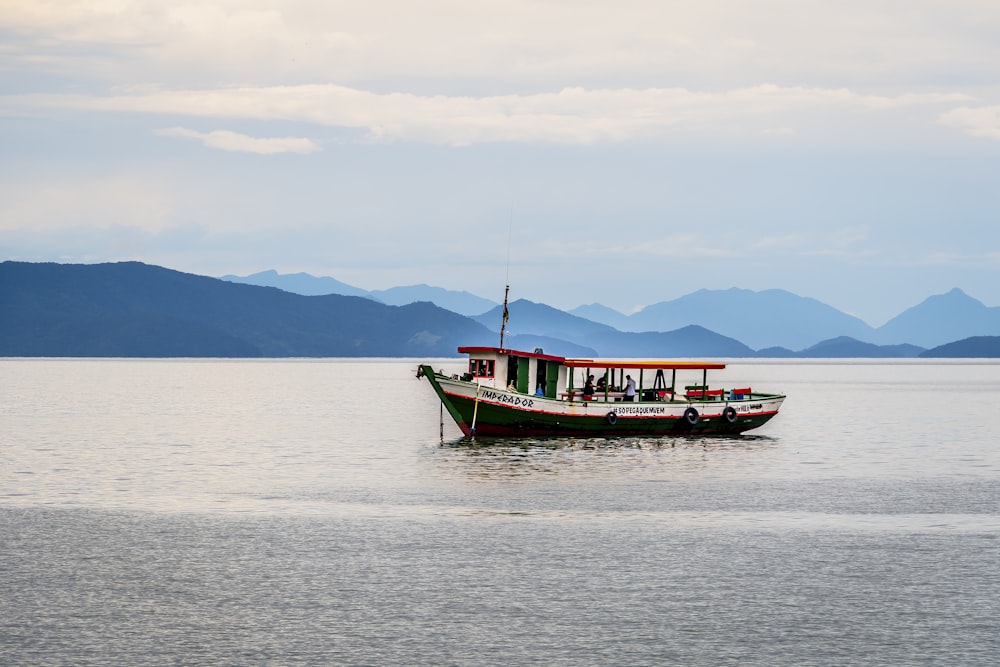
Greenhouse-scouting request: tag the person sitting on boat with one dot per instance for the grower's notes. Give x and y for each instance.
(602, 384)
(629, 389)
(588, 386)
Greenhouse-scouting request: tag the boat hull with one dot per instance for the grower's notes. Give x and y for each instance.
(487, 412)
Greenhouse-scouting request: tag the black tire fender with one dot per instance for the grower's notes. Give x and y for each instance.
(729, 414)
(691, 416)
(611, 418)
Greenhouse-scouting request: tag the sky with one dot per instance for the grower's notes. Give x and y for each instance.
(622, 153)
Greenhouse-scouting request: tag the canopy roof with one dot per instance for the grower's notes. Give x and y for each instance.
(638, 364)
(644, 364)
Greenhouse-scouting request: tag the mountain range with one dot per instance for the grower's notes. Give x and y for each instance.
(132, 309)
(459, 302)
(773, 319)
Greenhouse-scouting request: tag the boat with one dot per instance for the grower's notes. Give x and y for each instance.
(510, 393)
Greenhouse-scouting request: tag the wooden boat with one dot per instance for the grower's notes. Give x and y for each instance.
(508, 393)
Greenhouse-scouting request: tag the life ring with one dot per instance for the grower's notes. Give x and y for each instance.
(611, 418)
(729, 414)
(691, 416)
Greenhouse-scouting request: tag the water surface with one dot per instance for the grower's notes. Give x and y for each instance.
(309, 512)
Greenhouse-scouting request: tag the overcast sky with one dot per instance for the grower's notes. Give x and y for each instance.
(616, 152)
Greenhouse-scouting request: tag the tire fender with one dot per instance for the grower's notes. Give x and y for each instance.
(729, 414)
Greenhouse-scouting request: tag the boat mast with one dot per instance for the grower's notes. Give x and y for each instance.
(506, 291)
(506, 315)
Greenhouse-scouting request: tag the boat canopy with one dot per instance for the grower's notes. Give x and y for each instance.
(644, 364)
(638, 364)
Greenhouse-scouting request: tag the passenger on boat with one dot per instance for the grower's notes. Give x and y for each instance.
(629, 389)
(602, 383)
(588, 386)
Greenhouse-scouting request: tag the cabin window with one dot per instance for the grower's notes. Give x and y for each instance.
(481, 368)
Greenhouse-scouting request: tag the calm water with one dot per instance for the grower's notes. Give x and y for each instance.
(308, 513)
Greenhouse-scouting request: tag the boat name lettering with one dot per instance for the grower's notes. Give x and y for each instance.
(751, 408)
(641, 410)
(522, 401)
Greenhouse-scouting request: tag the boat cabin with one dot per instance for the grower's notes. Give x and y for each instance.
(561, 378)
(524, 372)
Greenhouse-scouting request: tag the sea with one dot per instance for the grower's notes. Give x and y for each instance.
(326, 512)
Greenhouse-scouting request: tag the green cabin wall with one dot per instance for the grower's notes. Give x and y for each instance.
(524, 375)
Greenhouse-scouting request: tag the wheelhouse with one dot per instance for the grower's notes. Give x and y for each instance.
(525, 372)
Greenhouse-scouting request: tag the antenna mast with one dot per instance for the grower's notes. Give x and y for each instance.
(506, 291)
(503, 324)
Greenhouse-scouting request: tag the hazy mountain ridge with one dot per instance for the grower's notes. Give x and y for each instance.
(769, 320)
(134, 309)
(461, 302)
(769, 317)
(299, 283)
(776, 318)
(941, 319)
(976, 347)
(527, 316)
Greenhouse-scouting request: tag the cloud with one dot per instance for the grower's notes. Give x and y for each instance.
(779, 243)
(554, 71)
(456, 45)
(233, 141)
(989, 260)
(978, 121)
(569, 116)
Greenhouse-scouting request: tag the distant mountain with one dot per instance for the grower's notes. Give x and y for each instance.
(777, 353)
(844, 347)
(595, 312)
(460, 302)
(976, 347)
(688, 341)
(132, 309)
(562, 348)
(768, 320)
(298, 283)
(940, 319)
(537, 318)
(778, 322)
(759, 319)
(463, 303)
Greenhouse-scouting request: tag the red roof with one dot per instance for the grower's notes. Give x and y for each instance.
(476, 349)
(648, 364)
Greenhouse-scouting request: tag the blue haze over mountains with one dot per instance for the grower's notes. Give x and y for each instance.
(775, 322)
(130, 309)
(459, 302)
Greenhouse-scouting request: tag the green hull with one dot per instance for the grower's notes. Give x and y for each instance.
(486, 419)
